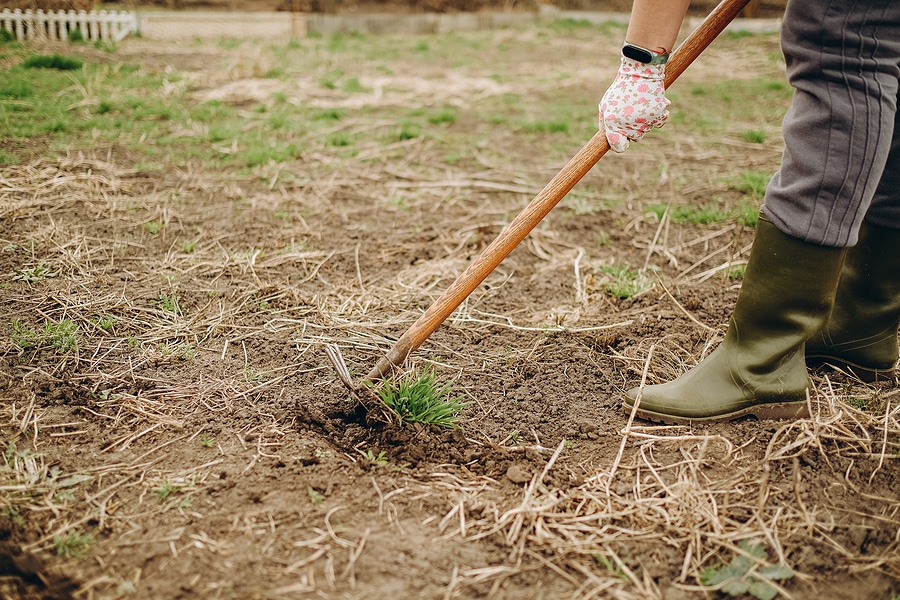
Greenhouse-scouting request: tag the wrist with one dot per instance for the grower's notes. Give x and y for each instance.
(644, 55)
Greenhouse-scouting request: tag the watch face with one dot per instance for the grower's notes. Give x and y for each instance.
(638, 54)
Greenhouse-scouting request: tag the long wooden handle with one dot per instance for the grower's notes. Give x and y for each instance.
(544, 202)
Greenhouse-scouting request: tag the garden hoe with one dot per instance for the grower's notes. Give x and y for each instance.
(528, 219)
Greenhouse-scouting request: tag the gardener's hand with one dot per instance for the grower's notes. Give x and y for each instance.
(634, 103)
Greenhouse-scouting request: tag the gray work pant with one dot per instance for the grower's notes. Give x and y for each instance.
(841, 163)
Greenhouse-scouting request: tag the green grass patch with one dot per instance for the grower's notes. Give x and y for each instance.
(754, 136)
(731, 105)
(16, 89)
(752, 182)
(445, 116)
(690, 214)
(61, 336)
(53, 61)
(419, 398)
(72, 544)
(624, 282)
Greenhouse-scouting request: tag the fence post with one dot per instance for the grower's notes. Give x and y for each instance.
(92, 22)
(103, 24)
(45, 25)
(18, 25)
(82, 24)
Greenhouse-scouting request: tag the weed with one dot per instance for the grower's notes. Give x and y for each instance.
(740, 577)
(353, 86)
(755, 136)
(188, 246)
(452, 158)
(34, 273)
(153, 227)
(208, 441)
(752, 182)
(314, 496)
(55, 61)
(166, 489)
(332, 114)
(6, 36)
(75, 36)
(568, 24)
(409, 131)
(690, 214)
(747, 214)
(379, 459)
(858, 402)
(72, 544)
(419, 398)
(614, 568)
(339, 139)
(251, 374)
(737, 272)
(738, 34)
(179, 351)
(106, 322)
(170, 303)
(444, 116)
(15, 516)
(59, 336)
(64, 496)
(515, 436)
(547, 127)
(625, 283)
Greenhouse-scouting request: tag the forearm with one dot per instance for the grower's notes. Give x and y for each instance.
(654, 24)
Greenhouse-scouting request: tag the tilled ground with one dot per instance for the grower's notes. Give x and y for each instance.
(185, 435)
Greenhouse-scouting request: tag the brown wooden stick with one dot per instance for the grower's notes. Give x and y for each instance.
(543, 203)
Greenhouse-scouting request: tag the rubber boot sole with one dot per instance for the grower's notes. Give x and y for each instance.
(774, 411)
(864, 374)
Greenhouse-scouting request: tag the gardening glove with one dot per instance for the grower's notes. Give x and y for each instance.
(635, 102)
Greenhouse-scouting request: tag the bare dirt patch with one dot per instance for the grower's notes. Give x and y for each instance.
(195, 441)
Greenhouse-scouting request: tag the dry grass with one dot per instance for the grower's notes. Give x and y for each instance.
(668, 490)
(697, 495)
(198, 402)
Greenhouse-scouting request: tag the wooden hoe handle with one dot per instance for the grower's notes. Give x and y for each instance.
(544, 202)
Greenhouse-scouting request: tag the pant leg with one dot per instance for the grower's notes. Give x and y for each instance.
(843, 60)
(885, 208)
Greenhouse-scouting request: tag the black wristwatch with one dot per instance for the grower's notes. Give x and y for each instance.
(648, 57)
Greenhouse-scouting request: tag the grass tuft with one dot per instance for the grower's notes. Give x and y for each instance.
(72, 544)
(419, 398)
(59, 336)
(53, 61)
(625, 281)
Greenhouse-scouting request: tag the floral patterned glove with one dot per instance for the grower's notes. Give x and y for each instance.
(635, 102)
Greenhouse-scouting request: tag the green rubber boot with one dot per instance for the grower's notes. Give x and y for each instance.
(860, 336)
(759, 368)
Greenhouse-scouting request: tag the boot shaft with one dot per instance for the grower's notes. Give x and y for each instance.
(759, 368)
(862, 329)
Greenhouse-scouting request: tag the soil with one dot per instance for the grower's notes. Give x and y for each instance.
(211, 451)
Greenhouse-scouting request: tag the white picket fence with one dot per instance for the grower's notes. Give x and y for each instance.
(57, 25)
